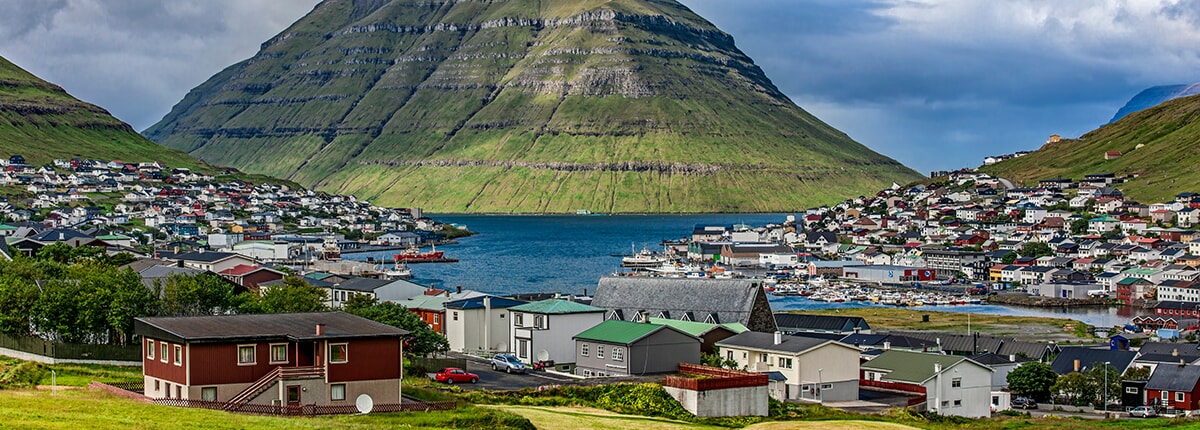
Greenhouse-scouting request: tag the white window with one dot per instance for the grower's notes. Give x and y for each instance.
(1179, 396)
(518, 319)
(618, 354)
(455, 315)
(583, 349)
(337, 392)
(1131, 390)
(208, 394)
(729, 355)
(826, 386)
(163, 352)
(762, 358)
(539, 321)
(599, 351)
(150, 349)
(956, 382)
(246, 355)
(279, 353)
(1166, 395)
(523, 348)
(339, 353)
(957, 403)
(178, 355)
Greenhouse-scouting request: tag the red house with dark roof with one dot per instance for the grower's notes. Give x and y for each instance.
(250, 276)
(323, 358)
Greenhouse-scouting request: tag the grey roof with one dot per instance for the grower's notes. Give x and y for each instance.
(726, 300)
(207, 257)
(362, 284)
(1174, 378)
(894, 340)
(153, 273)
(801, 322)
(1065, 362)
(1188, 351)
(766, 341)
(977, 344)
(233, 328)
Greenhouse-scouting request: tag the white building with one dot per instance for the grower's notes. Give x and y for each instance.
(812, 368)
(543, 330)
(479, 325)
(953, 385)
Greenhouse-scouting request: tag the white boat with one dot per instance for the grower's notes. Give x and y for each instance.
(643, 260)
(397, 271)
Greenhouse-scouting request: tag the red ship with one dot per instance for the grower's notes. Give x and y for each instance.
(414, 254)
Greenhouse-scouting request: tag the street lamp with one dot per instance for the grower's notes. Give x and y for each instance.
(820, 382)
(1106, 364)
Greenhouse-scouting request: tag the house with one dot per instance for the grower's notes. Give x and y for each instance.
(1001, 366)
(430, 308)
(542, 330)
(623, 348)
(479, 325)
(213, 261)
(790, 323)
(1175, 386)
(251, 276)
(811, 368)
(708, 333)
(716, 301)
(1081, 359)
(323, 358)
(952, 385)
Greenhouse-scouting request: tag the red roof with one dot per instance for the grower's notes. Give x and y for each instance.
(240, 269)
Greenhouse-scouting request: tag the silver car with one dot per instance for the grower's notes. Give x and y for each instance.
(1143, 411)
(507, 362)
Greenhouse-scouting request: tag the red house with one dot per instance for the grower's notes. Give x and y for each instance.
(323, 358)
(1174, 385)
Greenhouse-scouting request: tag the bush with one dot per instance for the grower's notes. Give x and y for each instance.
(24, 375)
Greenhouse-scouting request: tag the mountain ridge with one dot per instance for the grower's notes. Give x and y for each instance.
(1154, 96)
(521, 106)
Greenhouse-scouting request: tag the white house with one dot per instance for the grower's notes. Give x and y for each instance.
(811, 368)
(543, 330)
(479, 325)
(953, 385)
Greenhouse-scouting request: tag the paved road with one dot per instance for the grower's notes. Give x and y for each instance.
(1008, 185)
(493, 380)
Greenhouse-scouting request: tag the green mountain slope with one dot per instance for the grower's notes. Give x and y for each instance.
(1166, 161)
(521, 106)
(41, 122)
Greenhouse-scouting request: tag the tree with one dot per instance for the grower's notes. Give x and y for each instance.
(1032, 379)
(17, 297)
(294, 294)
(1136, 374)
(421, 340)
(1009, 258)
(1079, 226)
(1035, 249)
(1097, 373)
(1077, 388)
(714, 359)
(199, 294)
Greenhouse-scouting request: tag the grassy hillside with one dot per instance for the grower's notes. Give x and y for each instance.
(40, 121)
(522, 106)
(1166, 161)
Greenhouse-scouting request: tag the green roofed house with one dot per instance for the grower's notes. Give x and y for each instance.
(952, 385)
(542, 330)
(708, 333)
(623, 348)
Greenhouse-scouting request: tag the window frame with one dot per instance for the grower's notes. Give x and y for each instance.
(177, 351)
(518, 319)
(1180, 396)
(205, 390)
(150, 349)
(618, 354)
(253, 354)
(584, 349)
(332, 392)
(956, 383)
(163, 354)
(600, 352)
(345, 353)
(271, 359)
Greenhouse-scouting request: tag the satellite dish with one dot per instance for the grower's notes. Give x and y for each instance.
(364, 403)
(543, 355)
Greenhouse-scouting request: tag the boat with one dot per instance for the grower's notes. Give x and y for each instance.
(397, 271)
(643, 260)
(414, 254)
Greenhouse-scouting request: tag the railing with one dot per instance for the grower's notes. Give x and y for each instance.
(308, 410)
(895, 386)
(256, 388)
(719, 378)
(302, 372)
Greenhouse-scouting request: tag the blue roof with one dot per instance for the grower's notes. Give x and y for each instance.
(477, 303)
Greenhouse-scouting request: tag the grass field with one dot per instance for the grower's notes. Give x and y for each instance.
(1025, 327)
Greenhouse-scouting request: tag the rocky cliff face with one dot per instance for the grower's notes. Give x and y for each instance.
(521, 106)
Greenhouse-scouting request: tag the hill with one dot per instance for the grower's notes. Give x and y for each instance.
(1160, 144)
(1153, 96)
(521, 106)
(41, 122)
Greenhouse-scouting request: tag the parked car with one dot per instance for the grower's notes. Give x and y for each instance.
(1024, 403)
(453, 375)
(1143, 411)
(507, 362)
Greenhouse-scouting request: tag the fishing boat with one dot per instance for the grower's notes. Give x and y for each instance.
(414, 254)
(643, 260)
(397, 271)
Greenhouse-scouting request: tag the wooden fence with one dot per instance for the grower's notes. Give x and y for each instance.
(717, 378)
(71, 351)
(307, 410)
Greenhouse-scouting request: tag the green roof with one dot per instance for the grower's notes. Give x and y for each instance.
(555, 306)
(1105, 218)
(113, 237)
(697, 328)
(617, 331)
(7, 227)
(425, 302)
(1140, 271)
(914, 367)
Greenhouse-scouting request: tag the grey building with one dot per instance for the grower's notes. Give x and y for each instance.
(622, 348)
(716, 301)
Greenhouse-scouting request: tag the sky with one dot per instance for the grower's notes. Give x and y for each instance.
(935, 84)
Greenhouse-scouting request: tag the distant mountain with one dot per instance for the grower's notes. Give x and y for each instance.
(522, 106)
(1160, 144)
(41, 122)
(1153, 96)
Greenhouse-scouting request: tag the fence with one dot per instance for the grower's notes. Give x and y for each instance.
(71, 351)
(307, 410)
(717, 378)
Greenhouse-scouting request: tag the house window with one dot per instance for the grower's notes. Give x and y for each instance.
(762, 358)
(1166, 395)
(163, 352)
(539, 321)
(156, 385)
(956, 382)
(618, 354)
(518, 320)
(337, 392)
(523, 348)
(1131, 390)
(279, 353)
(178, 355)
(583, 349)
(437, 319)
(338, 353)
(149, 349)
(455, 315)
(178, 391)
(1179, 396)
(729, 355)
(246, 355)
(599, 351)
(208, 394)
(957, 403)
(826, 386)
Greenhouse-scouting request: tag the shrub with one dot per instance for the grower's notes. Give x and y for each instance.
(24, 375)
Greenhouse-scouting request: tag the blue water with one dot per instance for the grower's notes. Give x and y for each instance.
(569, 254)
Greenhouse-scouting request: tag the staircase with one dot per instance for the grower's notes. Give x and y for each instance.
(269, 380)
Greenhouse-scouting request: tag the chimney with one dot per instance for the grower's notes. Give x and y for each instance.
(1012, 358)
(320, 329)
(585, 292)
(558, 295)
(887, 346)
(1076, 365)
(778, 337)
(1175, 352)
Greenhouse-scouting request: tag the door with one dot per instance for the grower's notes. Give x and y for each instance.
(293, 395)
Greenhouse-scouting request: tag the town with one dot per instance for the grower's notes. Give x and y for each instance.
(699, 312)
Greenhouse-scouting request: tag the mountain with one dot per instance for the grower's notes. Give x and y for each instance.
(521, 106)
(1153, 96)
(1160, 144)
(41, 122)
